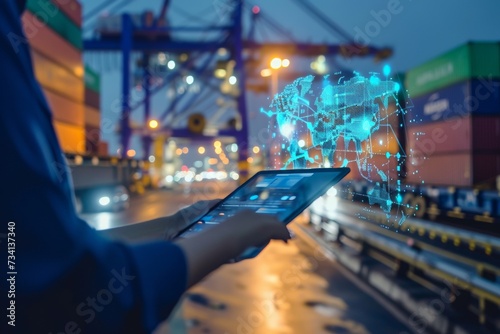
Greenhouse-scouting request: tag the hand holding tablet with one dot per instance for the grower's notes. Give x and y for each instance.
(281, 194)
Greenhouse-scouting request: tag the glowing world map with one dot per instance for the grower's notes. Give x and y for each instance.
(344, 120)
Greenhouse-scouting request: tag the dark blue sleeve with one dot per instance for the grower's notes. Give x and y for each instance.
(69, 279)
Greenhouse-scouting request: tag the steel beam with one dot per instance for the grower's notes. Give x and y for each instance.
(126, 47)
(239, 70)
(146, 84)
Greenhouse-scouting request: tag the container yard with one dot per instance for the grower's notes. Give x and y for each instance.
(158, 106)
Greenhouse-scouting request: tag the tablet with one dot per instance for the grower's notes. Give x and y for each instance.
(283, 193)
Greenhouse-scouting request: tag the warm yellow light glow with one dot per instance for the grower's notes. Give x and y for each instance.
(217, 143)
(79, 71)
(222, 52)
(275, 63)
(266, 73)
(256, 149)
(201, 150)
(250, 160)
(212, 161)
(218, 150)
(220, 73)
(178, 151)
(79, 160)
(285, 62)
(131, 153)
(153, 124)
(185, 150)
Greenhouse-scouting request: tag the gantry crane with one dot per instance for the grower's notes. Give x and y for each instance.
(156, 36)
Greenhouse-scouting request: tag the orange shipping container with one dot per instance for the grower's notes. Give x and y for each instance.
(71, 138)
(65, 110)
(92, 117)
(57, 78)
(52, 45)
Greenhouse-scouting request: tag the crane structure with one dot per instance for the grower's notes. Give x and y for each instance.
(155, 36)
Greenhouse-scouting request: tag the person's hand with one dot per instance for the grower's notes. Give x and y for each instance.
(256, 231)
(186, 216)
(218, 245)
(253, 229)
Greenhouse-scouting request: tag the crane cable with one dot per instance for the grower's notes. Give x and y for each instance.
(325, 20)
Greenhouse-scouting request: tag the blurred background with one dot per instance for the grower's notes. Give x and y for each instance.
(158, 104)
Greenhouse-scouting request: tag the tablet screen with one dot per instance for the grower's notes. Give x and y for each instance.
(283, 193)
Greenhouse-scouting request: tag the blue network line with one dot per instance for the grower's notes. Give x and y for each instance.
(345, 119)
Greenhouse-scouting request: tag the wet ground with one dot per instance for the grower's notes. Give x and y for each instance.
(288, 288)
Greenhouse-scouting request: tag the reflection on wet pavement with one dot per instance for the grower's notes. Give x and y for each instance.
(277, 292)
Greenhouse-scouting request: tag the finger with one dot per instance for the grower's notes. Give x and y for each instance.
(280, 232)
(202, 206)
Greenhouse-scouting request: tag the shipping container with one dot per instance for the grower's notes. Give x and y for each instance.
(57, 78)
(92, 117)
(66, 110)
(71, 137)
(92, 99)
(53, 46)
(50, 15)
(466, 134)
(92, 80)
(376, 168)
(378, 164)
(477, 97)
(103, 149)
(92, 139)
(72, 9)
(472, 60)
(460, 169)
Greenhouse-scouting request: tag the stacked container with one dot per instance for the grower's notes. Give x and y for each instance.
(53, 29)
(382, 152)
(92, 107)
(453, 120)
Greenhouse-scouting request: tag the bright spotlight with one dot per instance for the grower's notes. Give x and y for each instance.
(153, 124)
(104, 200)
(276, 63)
(287, 129)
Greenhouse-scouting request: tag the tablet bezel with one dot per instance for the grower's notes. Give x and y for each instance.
(343, 171)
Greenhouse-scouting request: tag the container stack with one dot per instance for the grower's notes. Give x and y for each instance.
(92, 114)
(453, 120)
(381, 154)
(53, 29)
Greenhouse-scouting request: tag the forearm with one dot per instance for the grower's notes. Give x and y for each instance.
(209, 250)
(151, 229)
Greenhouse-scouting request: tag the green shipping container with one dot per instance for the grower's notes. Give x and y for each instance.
(92, 80)
(472, 60)
(49, 14)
